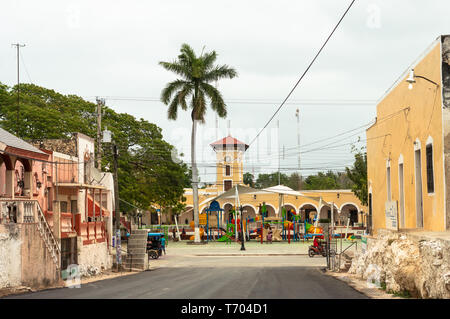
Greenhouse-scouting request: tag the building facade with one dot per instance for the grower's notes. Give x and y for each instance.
(408, 147)
(229, 172)
(54, 210)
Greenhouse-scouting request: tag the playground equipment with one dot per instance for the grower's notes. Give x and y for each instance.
(213, 207)
(202, 231)
(229, 236)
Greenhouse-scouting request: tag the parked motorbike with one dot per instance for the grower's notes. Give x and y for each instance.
(320, 250)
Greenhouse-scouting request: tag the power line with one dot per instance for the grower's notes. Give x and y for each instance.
(25, 66)
(304, 73)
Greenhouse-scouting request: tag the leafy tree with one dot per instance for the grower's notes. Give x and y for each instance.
(358, 175)
(249, 179)
(322, 180)
(146, 172)
(196, 75)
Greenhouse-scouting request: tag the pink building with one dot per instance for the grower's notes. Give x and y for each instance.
(52, 186)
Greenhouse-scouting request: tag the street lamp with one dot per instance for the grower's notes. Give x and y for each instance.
(412, 79)
(242, 230)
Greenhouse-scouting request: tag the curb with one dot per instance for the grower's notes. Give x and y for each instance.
(243, 254)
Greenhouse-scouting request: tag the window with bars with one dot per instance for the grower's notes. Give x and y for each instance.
(430, 178)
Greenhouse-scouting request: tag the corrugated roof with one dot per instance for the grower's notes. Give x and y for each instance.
(13, 141)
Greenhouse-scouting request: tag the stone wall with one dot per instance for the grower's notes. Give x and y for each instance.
(446, 121)
(24, 258)
(93, 258)
(406, 262)
(65, 146)
(38, 267)
(10, 261)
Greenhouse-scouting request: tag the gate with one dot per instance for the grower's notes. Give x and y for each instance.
(68, 252)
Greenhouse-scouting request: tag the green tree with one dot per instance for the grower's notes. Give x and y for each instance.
(249, 179)
(271, 179)
(196, 75)
(358, 175)
(146, 171)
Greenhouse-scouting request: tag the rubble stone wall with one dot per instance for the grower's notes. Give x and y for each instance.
(93, 258)
(406, 262)
(10, 258)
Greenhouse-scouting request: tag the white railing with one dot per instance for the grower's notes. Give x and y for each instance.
(47, 236)
(11, 209)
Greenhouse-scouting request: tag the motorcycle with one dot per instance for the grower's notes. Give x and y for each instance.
(319, 250)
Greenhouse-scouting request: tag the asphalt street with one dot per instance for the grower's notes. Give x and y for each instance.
(245, 277)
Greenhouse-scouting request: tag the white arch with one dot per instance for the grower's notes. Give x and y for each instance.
(313, 205)
(429, 140)
(254, 208)
(335, 206)
(227, 203)
(348, 203)
(400, 159)
(295, 208)
(201, 208)
(274, 209)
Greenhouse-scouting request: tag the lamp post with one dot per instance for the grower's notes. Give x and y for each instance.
(242, 231)
(412, 79)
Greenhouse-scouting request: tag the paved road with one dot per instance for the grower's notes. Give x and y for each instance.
(268, 277)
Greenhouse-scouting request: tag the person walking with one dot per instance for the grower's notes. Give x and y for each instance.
(269, 236)
(163, 244)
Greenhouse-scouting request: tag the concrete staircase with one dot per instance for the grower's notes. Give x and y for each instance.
(346, 261)
(137, 257)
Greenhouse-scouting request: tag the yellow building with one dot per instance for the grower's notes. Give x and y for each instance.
(229, 172)
(408, 147)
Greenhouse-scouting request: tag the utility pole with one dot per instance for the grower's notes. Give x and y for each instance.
(116, 189)
(297, 115)
(279, 155)
(18, 46)
(100, 104)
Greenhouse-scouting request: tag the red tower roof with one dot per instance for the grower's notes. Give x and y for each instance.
(229, 141)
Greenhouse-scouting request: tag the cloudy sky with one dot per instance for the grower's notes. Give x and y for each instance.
(112, 48)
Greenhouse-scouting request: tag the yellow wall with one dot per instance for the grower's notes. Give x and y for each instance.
(394, 134)
(235, 161)
(345, 197)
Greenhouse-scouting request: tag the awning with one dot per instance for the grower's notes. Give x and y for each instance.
(284, 190)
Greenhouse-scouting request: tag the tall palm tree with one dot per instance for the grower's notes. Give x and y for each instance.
(194, 85)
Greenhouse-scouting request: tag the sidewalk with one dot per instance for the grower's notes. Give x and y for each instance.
(252, 248)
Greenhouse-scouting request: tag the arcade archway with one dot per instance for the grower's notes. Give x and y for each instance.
(308, 211)
(349, 210)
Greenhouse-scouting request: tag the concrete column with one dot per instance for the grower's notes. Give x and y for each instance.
(28, 184)
(56, 220)
(20, 212)
(9, 181)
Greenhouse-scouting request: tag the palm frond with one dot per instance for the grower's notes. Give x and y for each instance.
(208, 60)
(177, 67)
(198, 105)
(182, 94)
(217, 102)
(187, 52)
(172, 111)
(220, 72)
(170, 89)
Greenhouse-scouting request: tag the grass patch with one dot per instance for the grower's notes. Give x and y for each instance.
(402, 294)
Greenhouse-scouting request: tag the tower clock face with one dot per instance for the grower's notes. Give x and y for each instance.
(227, 159)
